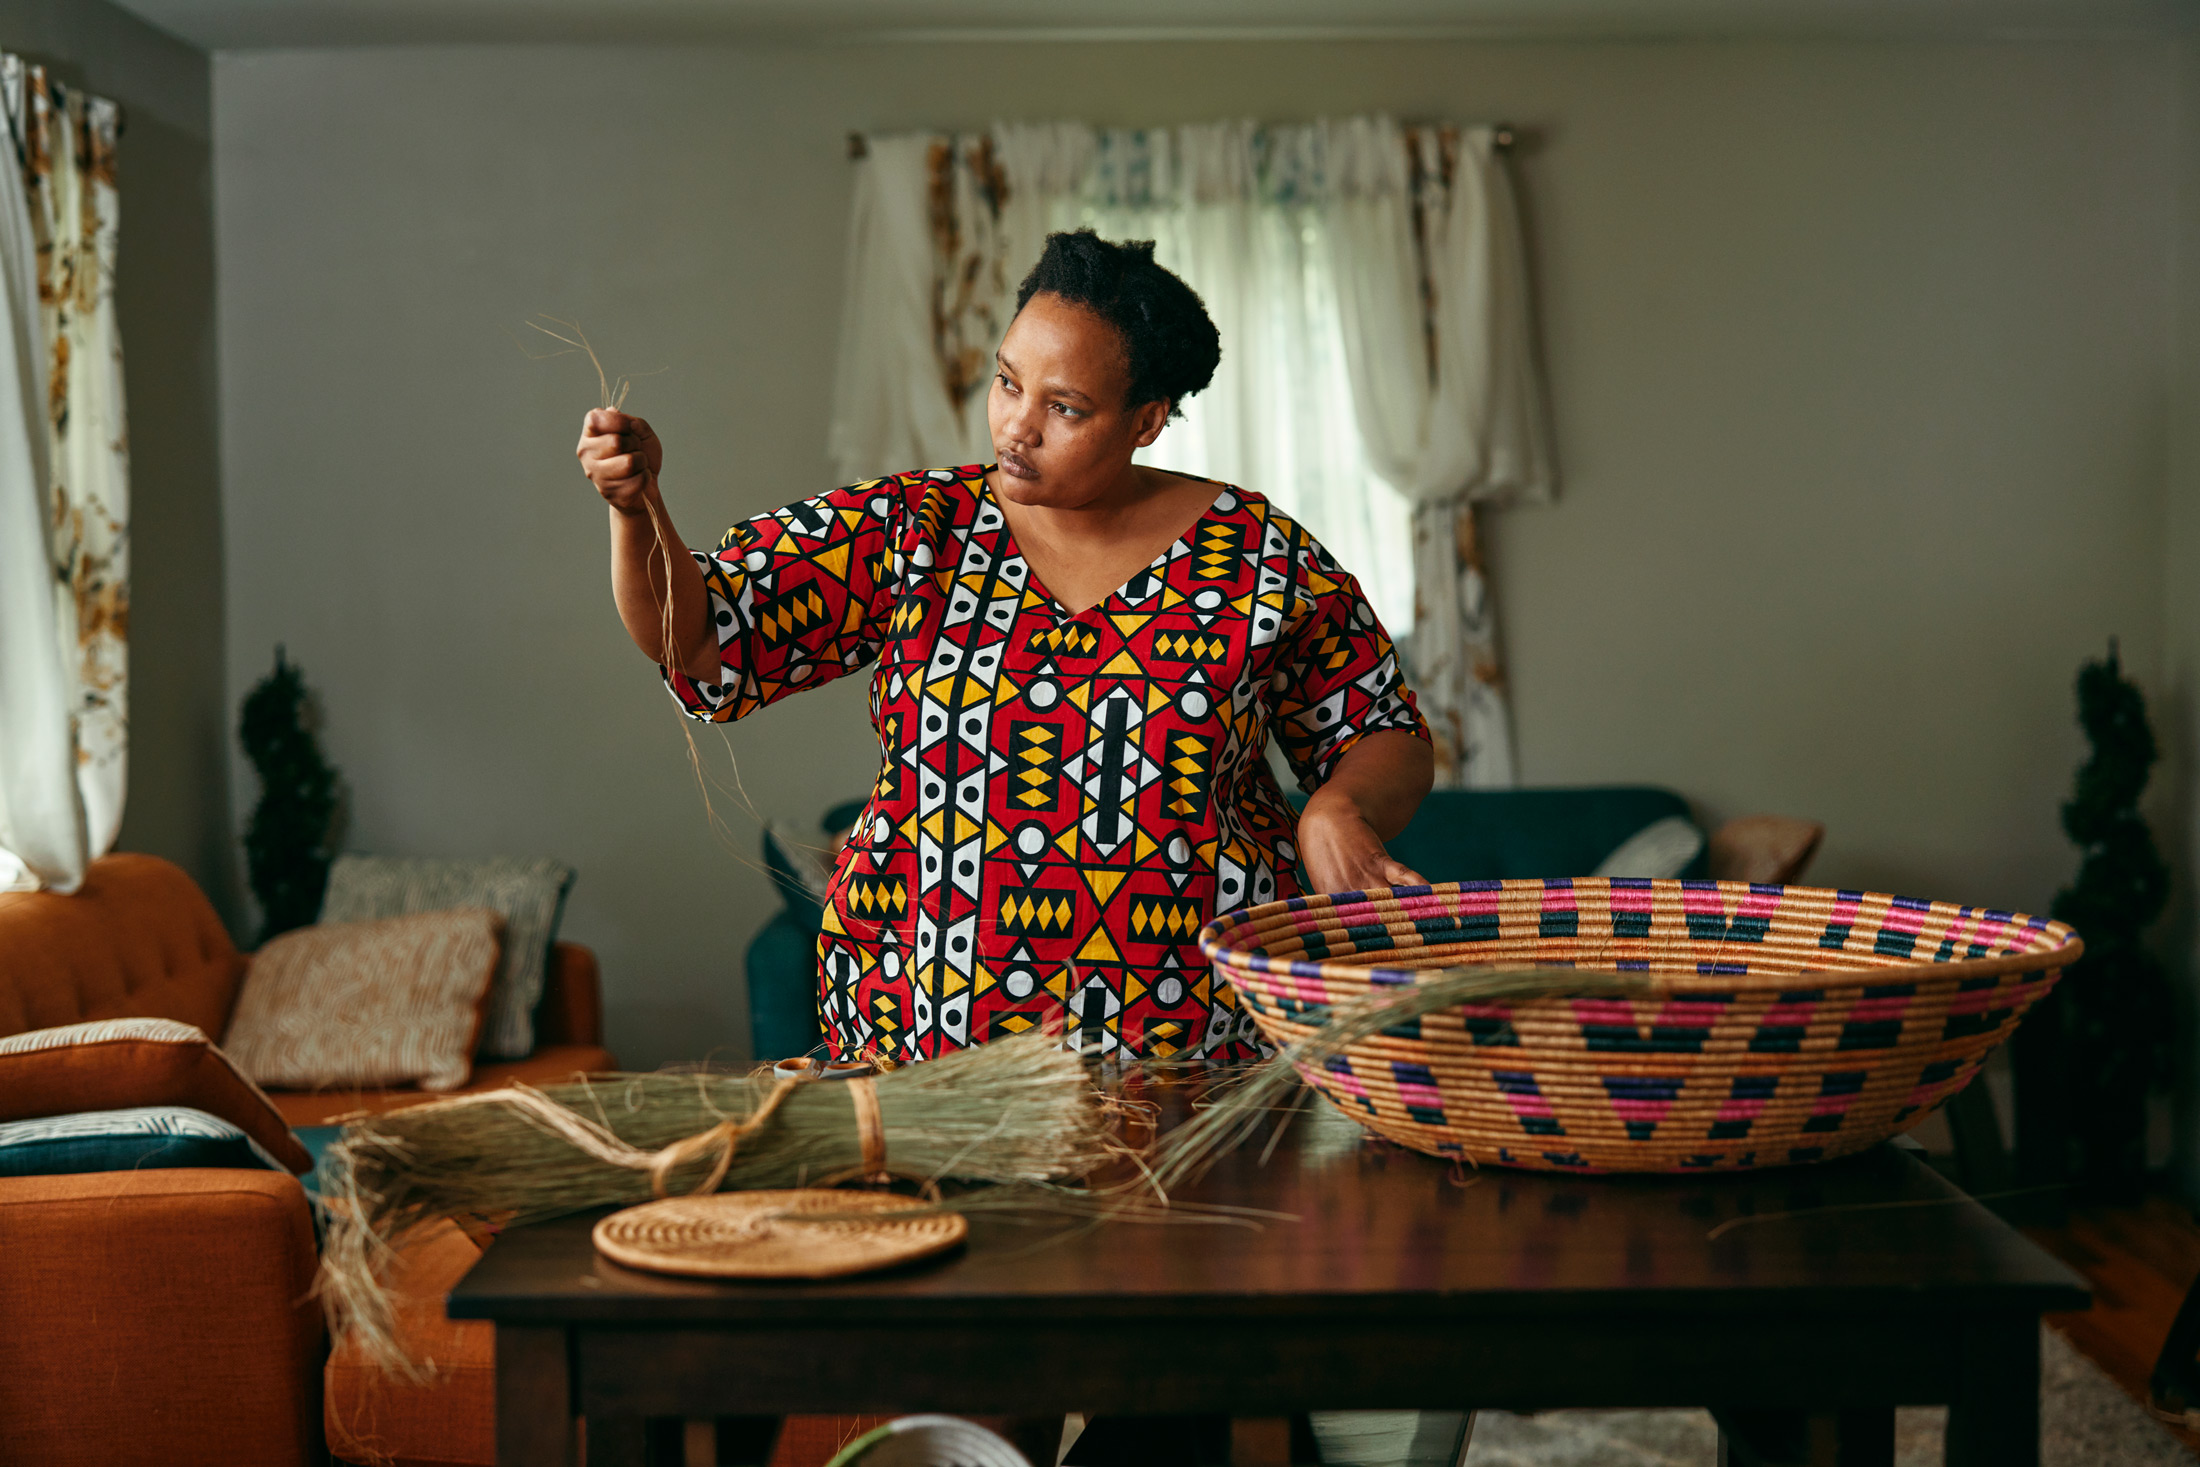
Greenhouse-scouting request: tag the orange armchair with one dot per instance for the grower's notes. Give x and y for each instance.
(165, 1316)
(158, 1316)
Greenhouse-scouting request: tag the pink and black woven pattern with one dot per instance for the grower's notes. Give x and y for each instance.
(1792, 1024)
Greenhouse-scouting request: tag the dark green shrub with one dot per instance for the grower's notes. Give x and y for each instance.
(292, 834)
(2116, 1019)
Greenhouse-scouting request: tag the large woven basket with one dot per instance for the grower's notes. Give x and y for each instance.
(1791, 1024)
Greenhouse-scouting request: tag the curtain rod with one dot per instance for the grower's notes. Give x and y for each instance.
(1504, 137)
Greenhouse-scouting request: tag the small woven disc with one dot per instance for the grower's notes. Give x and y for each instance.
(763, 1235)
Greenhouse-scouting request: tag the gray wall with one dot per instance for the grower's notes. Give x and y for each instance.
(178, 803)
(1859, 353)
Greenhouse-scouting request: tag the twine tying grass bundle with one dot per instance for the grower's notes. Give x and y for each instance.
(1020, 1111)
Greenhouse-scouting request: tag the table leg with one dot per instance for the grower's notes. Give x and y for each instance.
(618, 1441)
(1260, 1441)
(750, 1440)
(2175, 1383)
(1857, 1437)
(534, 1398)
(1039, 1438)
(1994, 1421)
(1867, 1437)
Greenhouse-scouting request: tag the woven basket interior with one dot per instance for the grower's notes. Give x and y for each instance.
(1694, 934)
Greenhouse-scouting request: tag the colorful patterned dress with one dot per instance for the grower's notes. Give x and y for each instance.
(1063, 800)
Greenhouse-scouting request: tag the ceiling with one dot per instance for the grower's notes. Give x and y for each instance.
(220, 25)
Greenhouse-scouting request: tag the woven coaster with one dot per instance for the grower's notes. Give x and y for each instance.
(764, 1235)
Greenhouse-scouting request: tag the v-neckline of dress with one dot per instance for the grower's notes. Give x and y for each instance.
(1151, 567)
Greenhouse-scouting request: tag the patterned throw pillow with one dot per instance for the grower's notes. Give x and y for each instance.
(529, 894)
(1663, 848)
(136, 1138)
(115, 1064)
(367, 1003)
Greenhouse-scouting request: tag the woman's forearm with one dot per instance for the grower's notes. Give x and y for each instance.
(639, 585)
(1384, 777)
(1372, 792)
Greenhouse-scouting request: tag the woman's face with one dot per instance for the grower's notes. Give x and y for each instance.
(1062, 433)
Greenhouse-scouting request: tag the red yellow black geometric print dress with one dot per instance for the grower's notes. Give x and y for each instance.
(1063, 800)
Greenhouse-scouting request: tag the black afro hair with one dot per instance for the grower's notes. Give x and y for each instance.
(1171, 344)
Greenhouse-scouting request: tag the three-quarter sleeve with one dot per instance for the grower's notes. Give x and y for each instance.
(797, 598)
(1340, 681)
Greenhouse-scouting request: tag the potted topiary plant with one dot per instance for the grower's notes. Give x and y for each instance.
(292, 834)
(2088, 1072)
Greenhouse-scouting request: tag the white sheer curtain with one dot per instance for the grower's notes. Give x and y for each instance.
(890, 405)
(1237, 211)
(1375, 379)
(64, 487)
(1436, 325)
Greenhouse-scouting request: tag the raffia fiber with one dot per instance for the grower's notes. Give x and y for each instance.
(1238, 1109)
(1021, 1111)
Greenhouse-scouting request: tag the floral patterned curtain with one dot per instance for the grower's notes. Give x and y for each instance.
(66, 222)
(1468, 428)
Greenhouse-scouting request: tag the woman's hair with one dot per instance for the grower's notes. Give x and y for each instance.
(1171, 344)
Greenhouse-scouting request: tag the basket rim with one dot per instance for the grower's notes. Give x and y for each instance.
(1214, 939)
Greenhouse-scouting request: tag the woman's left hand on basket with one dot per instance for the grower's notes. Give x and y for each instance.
(1343, 853)
(1370, 796)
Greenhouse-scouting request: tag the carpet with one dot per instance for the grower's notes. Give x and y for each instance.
(2085, 1421)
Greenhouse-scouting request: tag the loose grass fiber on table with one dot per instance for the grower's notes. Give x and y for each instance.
(1021, 1111)
(1238, 1107)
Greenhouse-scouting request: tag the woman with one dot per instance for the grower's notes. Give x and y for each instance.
(1079, 663)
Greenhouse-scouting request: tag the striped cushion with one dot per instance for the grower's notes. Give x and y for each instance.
(101, 1031)
(110, 1064)
(529, 894)
(137, 1138)
(367, 1003)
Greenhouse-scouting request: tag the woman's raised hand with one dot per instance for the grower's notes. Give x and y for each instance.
(655, 582)
(621, 455)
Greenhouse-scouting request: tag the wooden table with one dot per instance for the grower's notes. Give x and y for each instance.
(1405, 1283)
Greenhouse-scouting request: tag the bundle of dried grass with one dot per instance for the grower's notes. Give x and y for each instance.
(1235, 1110)
(1022, 1111)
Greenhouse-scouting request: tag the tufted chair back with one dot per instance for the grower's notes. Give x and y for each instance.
(137, 940)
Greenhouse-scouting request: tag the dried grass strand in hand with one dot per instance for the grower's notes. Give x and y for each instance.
(611, 392)
(613, 397)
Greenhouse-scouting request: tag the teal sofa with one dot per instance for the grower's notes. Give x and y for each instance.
(1495, 835)
(1457, 835)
